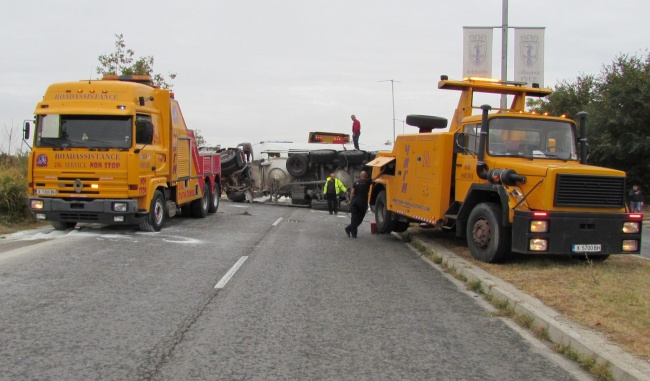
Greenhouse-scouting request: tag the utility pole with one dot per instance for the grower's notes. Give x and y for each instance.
(504, 49)
(392, 92)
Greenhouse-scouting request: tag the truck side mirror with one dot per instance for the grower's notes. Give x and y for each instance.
(26, 128)
(459, 142)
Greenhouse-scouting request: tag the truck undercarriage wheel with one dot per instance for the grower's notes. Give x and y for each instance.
(60, 225)
(155, 219)
(383, 217)
(346, 158)
(214, 198)
(200, 206)
(297, 165)
(236, 196)
(488, 240)
(322, 156)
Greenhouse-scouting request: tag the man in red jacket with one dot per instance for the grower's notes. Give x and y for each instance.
(356, 131)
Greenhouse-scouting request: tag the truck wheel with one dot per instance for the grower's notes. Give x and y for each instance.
(214, 198)
(297, 165)
(200, 206)
(155, 219)
(383, 217)
(236, 196)
(347, 158)
(60, 225)
(322, 156)
(488, 240)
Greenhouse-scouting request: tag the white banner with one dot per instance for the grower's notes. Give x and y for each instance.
(529, 55)
(477, 52)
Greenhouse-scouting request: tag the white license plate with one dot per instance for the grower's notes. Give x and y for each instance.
(586, 248)
(46, 191)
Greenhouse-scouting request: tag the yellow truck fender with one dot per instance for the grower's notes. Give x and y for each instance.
(153, 184)
(481, 193)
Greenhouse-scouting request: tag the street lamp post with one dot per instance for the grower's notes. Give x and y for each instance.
(392, 92)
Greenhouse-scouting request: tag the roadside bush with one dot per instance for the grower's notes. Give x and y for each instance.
(13, 189)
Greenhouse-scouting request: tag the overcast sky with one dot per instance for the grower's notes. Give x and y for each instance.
(277, 69)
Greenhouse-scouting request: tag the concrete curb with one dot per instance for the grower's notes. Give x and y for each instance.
(623, 366)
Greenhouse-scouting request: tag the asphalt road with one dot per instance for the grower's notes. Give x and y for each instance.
(307, 302)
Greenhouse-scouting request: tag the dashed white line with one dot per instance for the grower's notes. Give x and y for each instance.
(277, 221)
(222, 283)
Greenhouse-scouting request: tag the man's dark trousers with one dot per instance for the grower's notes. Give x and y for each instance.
(357, 213)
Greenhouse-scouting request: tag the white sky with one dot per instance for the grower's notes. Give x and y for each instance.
(277, 69)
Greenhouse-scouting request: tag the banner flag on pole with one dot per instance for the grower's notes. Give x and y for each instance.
(477, 52)
(529, 55)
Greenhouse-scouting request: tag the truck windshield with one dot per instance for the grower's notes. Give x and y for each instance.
(84, 131)
(532, 138)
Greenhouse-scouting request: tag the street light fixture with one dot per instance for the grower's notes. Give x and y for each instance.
(392, 92)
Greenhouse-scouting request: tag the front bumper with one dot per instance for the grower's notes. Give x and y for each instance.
(568, 229)
(85, 210)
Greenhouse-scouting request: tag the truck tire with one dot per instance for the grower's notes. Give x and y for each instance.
(200, 206)
(426, 121)
(236, 196)
(155, 219)
(297, 165)
(383, 216)
(488, 240)
(231, 161)
(60, 225)
(322, 156)
(346, 158)
(214, 198)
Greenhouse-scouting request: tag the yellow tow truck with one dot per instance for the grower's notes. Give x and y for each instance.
(509, 181)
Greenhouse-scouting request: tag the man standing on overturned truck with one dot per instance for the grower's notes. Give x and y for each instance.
(356, 131)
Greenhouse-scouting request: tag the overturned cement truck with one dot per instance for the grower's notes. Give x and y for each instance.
(290, 173)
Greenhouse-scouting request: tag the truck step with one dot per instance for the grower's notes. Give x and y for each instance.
(449, 222)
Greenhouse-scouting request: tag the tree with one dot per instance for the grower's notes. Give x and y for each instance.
(568, 98)
(200, 140)
(622, 116)
(122, 62)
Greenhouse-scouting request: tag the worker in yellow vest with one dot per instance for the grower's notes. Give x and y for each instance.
(333, 187)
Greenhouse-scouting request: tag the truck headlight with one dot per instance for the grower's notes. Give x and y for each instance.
(630, 245)
(538, 226)
(631, 227)
(36, 204)
(538, 244)
(120, 207)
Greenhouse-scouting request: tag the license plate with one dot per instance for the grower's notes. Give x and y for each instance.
(46, 191)
(586, 248)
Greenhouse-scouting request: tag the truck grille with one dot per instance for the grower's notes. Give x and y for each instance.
(590, 191)
(70, 216)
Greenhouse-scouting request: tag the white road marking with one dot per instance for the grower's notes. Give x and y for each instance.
(230, 273)
(277, 221)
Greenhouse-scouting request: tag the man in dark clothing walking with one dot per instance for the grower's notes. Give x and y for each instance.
(358, 204)
(356, 131)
